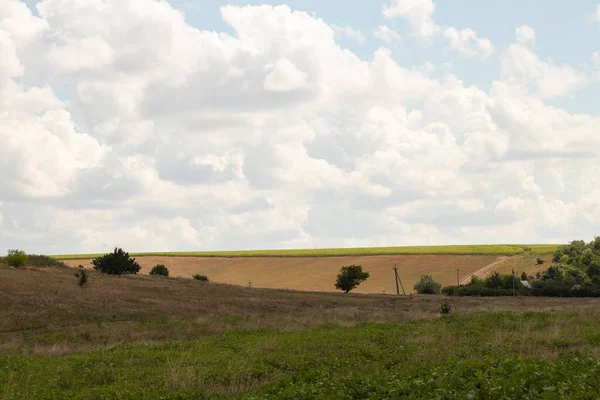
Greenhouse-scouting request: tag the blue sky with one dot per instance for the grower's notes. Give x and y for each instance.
(479, 125)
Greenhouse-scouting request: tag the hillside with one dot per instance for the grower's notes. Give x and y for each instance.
(132, 337)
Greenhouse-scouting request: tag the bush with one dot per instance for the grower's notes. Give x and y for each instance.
(82, 276)
(476, 290)
(540, 260)
(116, 263)
(160, 269)
(350, 277)
(426, 285)
(16, 258)
(524, 276)
(446, 309)
(202, 278)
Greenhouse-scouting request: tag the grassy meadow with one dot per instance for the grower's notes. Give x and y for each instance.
(143, 337)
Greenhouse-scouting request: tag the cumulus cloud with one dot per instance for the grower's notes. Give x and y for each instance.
(550, 80)
(387, 34)
(418, 14)
(467, 42)
(175, 137)
(525, 34)
(350, 33)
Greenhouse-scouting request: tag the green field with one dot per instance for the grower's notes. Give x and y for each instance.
(485, 356)
(501, 249)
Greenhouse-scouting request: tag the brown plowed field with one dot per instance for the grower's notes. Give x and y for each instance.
(318, 273)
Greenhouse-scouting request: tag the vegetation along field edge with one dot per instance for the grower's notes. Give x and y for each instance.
(496, 249)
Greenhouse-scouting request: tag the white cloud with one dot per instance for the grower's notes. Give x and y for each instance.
(386, 34)
(418, 14)
(597, 14)
(467, 42)
(283, 76)
(350, 33)
(525, 35)
(175, 137)
(522, 64)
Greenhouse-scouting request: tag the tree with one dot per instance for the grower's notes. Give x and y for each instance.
(116, 263)
(350, 277)
(494, 281)
(16, 258)
(160, 269)
(426, 285)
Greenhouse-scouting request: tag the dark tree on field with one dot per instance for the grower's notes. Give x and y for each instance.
(116, 263)
(160, 269)
(350, 276)
(524, 276)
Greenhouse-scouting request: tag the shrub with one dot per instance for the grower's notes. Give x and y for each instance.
(160, 269)
(82, 277)
(350, 277)
(524, 276)
(540, 260)
(116, 263)
(198, 277)
(39, 260)
(17, 258)
(426, 285)
(446, 309)
(476, 290)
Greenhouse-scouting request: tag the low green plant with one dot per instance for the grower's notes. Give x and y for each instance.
(82, 277)
(16, 258)
(199, 277)
(540, 260)
(426, 285)
(160, 269)
(445, 309)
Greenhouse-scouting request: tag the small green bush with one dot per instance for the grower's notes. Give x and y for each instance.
(540, 260)
(198, 277)
(116, 263)
(426, 285)
(82, 276)
(16, 258)
(160, 269)
(446, 309)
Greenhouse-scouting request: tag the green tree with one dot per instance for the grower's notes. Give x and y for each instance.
(17, 258)
(494, 281)
(426, 285)
(350, 277)
(116, 263)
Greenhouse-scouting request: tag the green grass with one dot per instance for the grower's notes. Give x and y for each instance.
(504, 249)
(486, 356)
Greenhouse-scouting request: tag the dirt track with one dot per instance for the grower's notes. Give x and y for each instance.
(319, 273)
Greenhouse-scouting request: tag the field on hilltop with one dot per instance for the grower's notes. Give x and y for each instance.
(487, 249)
(319, 273)
(316, 273)
(132, 337)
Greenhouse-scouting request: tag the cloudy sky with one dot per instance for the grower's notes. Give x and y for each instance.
(208, 124)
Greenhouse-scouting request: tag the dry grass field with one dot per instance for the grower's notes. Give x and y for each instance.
(317, 273)
(43, 311)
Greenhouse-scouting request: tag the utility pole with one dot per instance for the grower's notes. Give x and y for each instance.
(457, 277)
(398, 281)
(514, 289)
(396, 275)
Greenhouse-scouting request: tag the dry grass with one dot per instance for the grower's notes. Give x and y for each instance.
(44, 311)
(318, 273)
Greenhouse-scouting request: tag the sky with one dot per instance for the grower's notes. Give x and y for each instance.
(219, 125)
